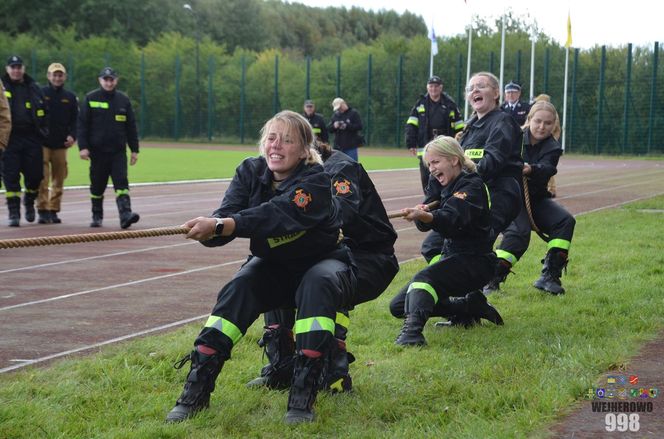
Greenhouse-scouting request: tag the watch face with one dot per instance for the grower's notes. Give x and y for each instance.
(219, 227)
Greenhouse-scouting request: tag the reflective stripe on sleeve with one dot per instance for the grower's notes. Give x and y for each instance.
(311, 324)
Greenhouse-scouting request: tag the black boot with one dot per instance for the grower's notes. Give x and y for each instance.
(480, 308)
(279, 348)
(419, 304)
(14, 208)
(44, 216)
(199, 385)
(337, 376)
(307, 380)
(127, 217)
(502, 270)
(97, 212)
(552, 270)
(54, 217)
(29, 203)
(456, 310)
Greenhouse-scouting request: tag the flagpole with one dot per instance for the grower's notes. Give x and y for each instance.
(532, 69)
(502, 58)
(470, 51)
(434, 49)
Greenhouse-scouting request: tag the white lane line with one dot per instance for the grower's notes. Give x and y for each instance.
(89, 258)
(125, 284)
(102, 343)
(612, 188)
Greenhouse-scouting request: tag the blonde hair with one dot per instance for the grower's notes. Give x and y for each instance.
(543, 105)
(542, 97)
(295, 123)
(493, 81)
(448, 147)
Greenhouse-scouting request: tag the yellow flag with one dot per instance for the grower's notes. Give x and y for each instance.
(568, 44)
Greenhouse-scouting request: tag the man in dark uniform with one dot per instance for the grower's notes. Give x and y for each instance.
(434, 114)
(316, 120)
(106, 125)
(63, 111)
(346, 125)
(24, 150)
(513, 105)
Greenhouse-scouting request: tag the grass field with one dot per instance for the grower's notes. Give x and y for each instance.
(499, 382)
(167, 164)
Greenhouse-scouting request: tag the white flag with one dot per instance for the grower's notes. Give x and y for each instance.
(434, 43)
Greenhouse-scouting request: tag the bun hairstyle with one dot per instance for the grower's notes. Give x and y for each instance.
(448, 147)
(295, 123)
(543, 105)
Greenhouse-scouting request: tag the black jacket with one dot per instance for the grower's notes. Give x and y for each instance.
(365, 223)
(348, 136)
(519, 112)
(106, 122)
(298, 223)
(37, 111)
(418, 129)
(494, 143)
(463, 217)
(543, 160)
(318, 124)
(62, 115)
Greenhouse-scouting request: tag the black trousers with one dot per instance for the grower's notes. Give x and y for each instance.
(104, 165)
(23, 155)
(451, 276)
(549, 216)
(261, 285)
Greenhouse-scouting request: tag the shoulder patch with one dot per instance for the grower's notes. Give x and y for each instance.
(461, 195)
(342, 187)
(301, 199)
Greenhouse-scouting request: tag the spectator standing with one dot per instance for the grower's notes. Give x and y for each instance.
(514, 105)
(63, 112)
(316, 120)
(346, 125)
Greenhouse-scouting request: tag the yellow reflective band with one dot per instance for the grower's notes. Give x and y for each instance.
(488, 195)
(96, 197)
(98, 104)
(342, 320)
(12, 194)
(559, 243)
(424, 286)
(281, 240)
(460, 125)
(421, 108)
(40, 113)
(122, 192)
(225, 327)
(319, 323)
(452, 113)
(120, 118)
(317, 130)
(420, 152)
(8, 93)
(509, 257)
(435, 259)
(28, 105)
(32, 191)
(338, 385)
(412, 120)
(474, 153)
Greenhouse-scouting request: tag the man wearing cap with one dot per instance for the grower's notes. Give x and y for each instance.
(434, 114)
(512, 105)
(23, 154)
(346, 126)
(63, 111)
(316, 120)
(106, 125)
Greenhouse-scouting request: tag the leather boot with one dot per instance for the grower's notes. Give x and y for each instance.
(279, 348)
(55, 219)
(419, 305)
(307, 380)
(29, 203)
(456, 310)
(199, 385)
(552, 269)
(337, 376)
(480, 308)
(502, 270)
(97, 212)
(44, 216)
(127, 217)
(14, 208)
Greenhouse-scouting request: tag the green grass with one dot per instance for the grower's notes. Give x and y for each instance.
(165, 164)
(499, 382)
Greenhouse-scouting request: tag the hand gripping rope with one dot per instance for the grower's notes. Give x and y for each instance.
(109, 236)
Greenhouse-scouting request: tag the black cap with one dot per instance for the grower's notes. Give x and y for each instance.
(14, 60)
(107, 72)
(512, 86)
(308, 102)
(435, 80)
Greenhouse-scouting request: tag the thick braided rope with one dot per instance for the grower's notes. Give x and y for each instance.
(400, 214)
(90, 237)
(526, 198)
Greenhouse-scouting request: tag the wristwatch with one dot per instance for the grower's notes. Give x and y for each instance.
(219, 227)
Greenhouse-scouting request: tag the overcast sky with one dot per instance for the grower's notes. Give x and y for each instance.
(594, 22)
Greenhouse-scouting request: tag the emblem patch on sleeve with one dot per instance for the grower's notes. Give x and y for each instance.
(342, 187)
(301, 199)
(461, 195)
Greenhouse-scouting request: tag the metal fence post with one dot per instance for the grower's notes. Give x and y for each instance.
(338, 75)
(143, 110)
(307, 86)
(572, 113)
(243, 98)
(210, 100)
(600, 100)
(518, 67)
(628, 81)
(547, 59)
(653, 97)
(459, 81)
(399, 98)
(275, 101)
(176, 120)
(368, 124)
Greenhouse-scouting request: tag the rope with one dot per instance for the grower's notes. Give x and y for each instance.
(400, 214)
(526, 198)
(90, 237)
